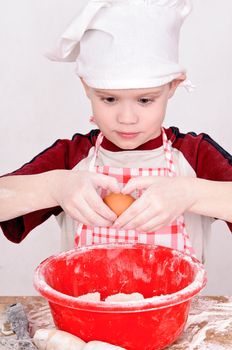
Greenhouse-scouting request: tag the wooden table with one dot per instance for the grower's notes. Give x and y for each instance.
(209, 326)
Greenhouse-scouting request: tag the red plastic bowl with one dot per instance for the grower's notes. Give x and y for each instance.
(167, 278)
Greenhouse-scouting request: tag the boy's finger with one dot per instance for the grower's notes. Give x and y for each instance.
(93, 218)
(140, 219)
(138, 183)
(97, 204)
(107, 182)
(154, 224)
(135, 209)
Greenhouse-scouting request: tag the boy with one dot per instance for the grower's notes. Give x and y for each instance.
(136, 155)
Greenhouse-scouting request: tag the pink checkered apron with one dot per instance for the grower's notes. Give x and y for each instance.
(173, 235)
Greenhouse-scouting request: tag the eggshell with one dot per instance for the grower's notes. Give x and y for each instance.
(118, 202)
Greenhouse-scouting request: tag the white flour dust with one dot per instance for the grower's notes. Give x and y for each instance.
(209, 325)
(6, 193)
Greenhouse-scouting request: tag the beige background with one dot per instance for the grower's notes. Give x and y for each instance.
(42, 101)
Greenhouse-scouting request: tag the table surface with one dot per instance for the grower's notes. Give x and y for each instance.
(209, 325)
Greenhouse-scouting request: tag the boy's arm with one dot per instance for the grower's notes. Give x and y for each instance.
(63, 154)
(210, 198)
(165, 198)
(74, 191)
(23, 194)
(47, 185)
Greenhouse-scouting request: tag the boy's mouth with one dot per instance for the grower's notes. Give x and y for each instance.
(127, 135)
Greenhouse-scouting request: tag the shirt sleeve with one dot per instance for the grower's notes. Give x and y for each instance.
(213, 162)
(63, 154)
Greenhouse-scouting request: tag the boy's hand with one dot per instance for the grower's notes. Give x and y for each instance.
(76, 193)
(163, 200)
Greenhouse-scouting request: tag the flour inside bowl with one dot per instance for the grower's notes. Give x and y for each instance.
(119, 297)
(122, 297)
(96, 296)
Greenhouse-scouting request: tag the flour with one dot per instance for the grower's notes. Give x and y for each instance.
(90, 297)
(122, 297)
(207, 330)
(6, 193)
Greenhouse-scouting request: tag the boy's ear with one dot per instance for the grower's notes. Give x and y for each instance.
(86, 87)
(175, 83)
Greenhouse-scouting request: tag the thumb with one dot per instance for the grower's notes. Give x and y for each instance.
(138, 183)
(107, 182)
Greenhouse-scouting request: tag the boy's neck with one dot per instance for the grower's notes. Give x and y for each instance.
(149, 145)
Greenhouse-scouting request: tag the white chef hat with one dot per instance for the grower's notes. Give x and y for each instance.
(124, 44)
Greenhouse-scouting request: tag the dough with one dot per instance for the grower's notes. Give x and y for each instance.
(90, 297)
(53, 339)
(99, 345)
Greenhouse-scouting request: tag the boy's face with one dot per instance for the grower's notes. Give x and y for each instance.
(130, 117)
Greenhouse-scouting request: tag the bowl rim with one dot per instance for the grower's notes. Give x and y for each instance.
(156, 302)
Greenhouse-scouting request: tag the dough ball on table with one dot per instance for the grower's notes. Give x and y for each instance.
(99, 345)
(54, 339)
(90, 297)
(122, 297)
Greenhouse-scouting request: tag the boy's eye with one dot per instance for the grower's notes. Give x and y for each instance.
(145, 101)
(108, 99)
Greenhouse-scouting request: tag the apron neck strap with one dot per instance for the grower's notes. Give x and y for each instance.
(168, 152)
(96, 148)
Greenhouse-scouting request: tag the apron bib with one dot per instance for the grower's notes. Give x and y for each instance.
(173, 235)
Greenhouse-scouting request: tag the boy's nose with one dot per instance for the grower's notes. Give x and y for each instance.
(127, 115)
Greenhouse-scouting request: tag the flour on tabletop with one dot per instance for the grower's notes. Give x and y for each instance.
(208, 326)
